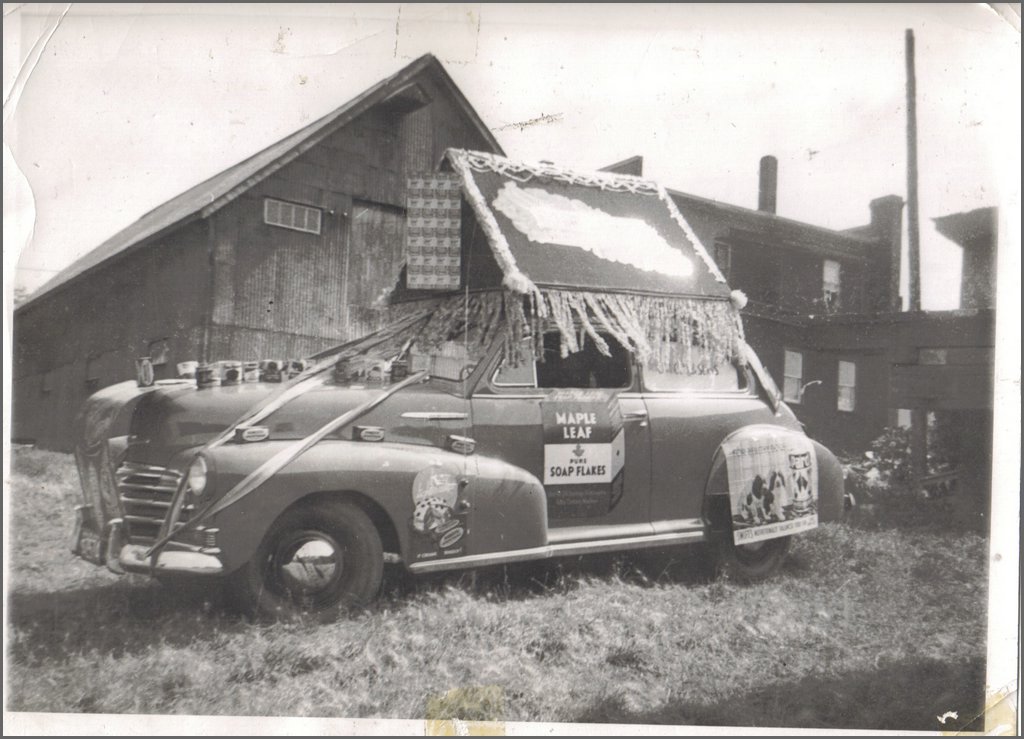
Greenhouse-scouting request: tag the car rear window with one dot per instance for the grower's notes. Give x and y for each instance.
(727, 377)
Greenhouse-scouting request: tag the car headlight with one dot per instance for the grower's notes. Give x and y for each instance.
(197, 476)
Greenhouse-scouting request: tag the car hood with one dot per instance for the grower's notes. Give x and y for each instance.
(166, 422)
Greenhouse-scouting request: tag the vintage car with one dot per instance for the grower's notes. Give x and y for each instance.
(504, 423)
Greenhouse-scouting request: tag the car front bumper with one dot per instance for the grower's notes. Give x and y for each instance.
(132, 558)
(109, 548)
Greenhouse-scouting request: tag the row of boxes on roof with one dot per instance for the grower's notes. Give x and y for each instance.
(225, 372)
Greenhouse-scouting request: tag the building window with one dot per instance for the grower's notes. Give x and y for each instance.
(723, 259)
(290, 215)
(847, 396)
(830, 283)
(793, 376)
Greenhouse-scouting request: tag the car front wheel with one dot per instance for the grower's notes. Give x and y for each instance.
(316, 561)
(750, 563)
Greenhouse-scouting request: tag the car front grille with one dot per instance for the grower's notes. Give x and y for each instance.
(146, 493)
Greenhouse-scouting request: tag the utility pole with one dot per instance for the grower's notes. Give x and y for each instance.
(918, 416)
(913, 225)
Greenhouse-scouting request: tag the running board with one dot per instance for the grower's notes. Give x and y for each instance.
(559, 550)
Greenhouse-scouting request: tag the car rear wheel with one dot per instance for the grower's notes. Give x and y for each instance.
(316, 561)
(750, 563)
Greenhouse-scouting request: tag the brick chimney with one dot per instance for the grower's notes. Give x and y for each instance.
(887, 226)
(768, 183)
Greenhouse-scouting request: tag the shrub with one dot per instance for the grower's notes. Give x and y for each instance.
(890, 455)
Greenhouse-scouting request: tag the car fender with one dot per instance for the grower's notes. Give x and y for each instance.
(717, 514)
(504, 506)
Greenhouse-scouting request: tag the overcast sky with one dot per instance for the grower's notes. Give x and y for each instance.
(115, 109)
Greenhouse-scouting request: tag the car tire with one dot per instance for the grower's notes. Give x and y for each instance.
(317, 561)
(750, 563)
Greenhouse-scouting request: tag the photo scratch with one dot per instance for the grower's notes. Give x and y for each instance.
(539, 120)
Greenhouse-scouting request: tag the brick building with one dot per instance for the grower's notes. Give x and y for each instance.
(800, 279)
(825, 315)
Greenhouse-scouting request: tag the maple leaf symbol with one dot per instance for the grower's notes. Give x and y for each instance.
(578, 451)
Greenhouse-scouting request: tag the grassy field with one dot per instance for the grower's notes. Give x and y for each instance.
(875, 625)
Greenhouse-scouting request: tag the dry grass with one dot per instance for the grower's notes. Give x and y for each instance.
(869, 628)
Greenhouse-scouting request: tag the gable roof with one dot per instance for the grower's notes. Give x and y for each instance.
(761, 226)
(971, 229)
(214, 193)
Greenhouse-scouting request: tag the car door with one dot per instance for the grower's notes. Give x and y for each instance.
(579, 425)
(690, 416)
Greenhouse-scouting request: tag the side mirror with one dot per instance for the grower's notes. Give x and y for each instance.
(807, 385)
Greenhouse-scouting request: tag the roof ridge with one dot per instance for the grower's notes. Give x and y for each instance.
(196, 201)
(784, 220)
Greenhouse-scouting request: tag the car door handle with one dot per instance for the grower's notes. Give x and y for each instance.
(435, 416)
(635, 416)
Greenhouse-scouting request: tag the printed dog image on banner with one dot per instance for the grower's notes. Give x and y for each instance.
(773, 485)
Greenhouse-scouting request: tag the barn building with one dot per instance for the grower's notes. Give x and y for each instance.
(281, 255)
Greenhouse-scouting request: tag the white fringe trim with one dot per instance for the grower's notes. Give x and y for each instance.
(690, 234)
(514, 279)
(526, 171)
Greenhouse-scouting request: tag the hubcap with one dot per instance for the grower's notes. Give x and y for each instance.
(308, 564)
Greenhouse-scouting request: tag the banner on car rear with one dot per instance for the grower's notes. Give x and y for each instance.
(773, 485)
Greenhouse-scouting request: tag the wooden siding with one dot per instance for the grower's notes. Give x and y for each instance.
(285, 293)
(374, 267)
(88, 336)
(275, 279)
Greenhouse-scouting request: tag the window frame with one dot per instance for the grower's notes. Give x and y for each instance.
(725, 265)
(852, 387)
(307, 209)
(520, 385)
(786, 376)
(825, 283)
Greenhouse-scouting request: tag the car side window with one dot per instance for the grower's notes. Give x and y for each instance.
(587, 368)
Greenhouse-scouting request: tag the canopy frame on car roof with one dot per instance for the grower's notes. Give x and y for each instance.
(590, 254)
